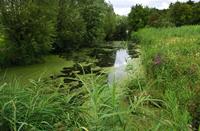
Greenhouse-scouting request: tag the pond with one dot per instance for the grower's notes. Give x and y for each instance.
(99, 60)
(108, 60)
(119, 71)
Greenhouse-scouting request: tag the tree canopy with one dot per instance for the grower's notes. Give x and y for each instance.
(29, 27)
(32, 28)
(178, 14)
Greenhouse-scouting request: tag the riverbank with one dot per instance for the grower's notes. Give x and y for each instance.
(172, 72)
(87, 102)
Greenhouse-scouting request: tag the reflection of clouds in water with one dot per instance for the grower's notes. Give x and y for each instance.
(120, 66)
(121, 58)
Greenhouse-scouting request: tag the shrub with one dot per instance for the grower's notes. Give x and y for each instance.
(28, 28)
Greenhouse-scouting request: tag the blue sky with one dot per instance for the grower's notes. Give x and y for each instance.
(123, 7)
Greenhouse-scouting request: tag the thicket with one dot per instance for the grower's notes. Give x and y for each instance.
(83, 24)
(32, 28)
(29, 27)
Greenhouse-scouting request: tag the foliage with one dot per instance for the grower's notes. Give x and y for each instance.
(39, 107)
(196, 12)
(110, 22)
(121, 28)
(81, 24)
(70, 27)
(92, 15)
(29, 27)
(171, 61)
(138, 17)
(181, 13)
(2, 48)
(159, 18)
(42, 106)
(178, 14)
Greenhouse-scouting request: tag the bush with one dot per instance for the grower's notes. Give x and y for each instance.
(28, 28)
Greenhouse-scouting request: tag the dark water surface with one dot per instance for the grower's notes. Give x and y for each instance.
(95, 60)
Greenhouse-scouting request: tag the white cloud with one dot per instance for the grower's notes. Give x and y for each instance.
(122, 11)
(123, 7)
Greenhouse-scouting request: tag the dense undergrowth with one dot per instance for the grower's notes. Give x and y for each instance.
(172, 65)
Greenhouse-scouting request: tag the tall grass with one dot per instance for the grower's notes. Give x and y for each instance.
(97, 106)
(39, 107)
(171, 61)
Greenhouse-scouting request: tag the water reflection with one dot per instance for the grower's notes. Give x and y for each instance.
(119, 71)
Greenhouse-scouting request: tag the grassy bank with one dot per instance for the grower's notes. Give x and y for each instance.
(172, 68)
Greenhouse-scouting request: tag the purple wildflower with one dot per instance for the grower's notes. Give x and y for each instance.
(157, 60)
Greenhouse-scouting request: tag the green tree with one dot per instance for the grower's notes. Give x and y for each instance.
(121, 28)
(181, 13)
(29, 27)
(138, 17)
(71, 27)
(196, 12)
(159, 18)
(154, 19)
(83, 23)
(93, 15)
(109, 22)
(190, 2)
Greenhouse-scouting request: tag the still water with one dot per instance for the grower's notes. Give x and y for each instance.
(119, 71)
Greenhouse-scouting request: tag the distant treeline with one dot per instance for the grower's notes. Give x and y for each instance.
(178, 14)
(33, 28)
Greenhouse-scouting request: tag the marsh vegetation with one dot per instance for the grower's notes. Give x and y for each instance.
(73, 65)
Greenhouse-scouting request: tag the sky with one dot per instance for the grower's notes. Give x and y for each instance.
(123, 7)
